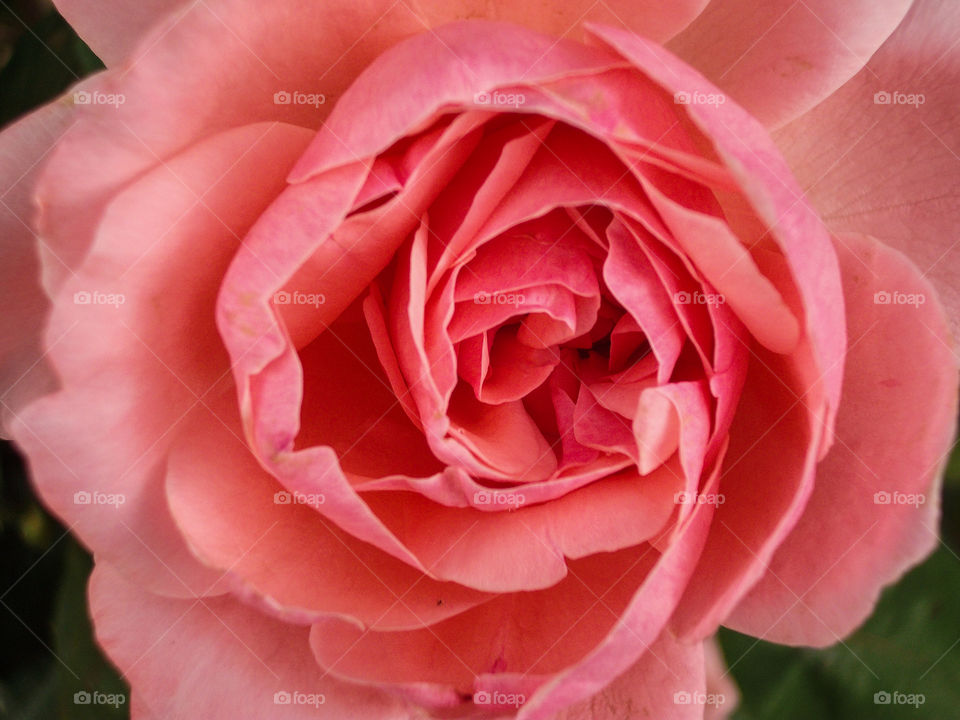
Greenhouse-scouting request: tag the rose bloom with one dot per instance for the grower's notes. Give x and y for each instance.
(481, 359)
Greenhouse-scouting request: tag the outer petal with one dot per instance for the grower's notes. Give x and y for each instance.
(893, 170)
(779, 58)
(230, 661)
(650, 18)
(23, 147)
(894, 431)
(131, 369)
(719, 683)
(655, 687)
(112, 28)
(236, 55)
(230, 57)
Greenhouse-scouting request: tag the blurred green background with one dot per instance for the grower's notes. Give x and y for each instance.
(911, 644)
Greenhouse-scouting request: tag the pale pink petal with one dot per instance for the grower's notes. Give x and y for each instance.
(666, 683)
(515, 547)
(232, 57)
(277, 550)
(24, 374)
(647, 17)
(113, 28)
(892, 170)
(639, 623)
(894, 432)
(531, 635)
(780, 58)
(133, 362)
(217, 658)
(720, 683)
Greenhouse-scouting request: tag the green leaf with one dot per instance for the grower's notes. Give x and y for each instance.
(75, 645)
(910, 645)
(45, 58)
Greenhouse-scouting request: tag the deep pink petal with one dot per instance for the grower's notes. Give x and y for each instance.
(634, 282)
(773, 434)
(766, 181)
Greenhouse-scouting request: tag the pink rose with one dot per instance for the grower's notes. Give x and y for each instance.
(393, 367)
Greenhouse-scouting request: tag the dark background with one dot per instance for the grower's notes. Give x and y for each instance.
(911, 644)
